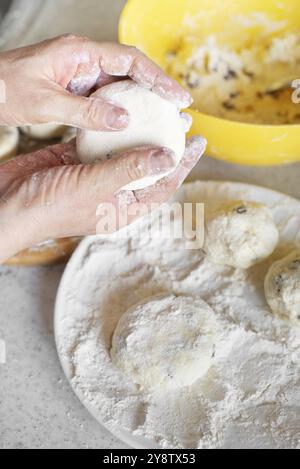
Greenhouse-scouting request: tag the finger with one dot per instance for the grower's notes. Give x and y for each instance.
(105, 79)
(85, 79)
(165, 188)
(103, 180)
(91, 113)
(89, 77)
(187, 121)
(25, 165)
(120, 60)
(59, 194)
(127, 206)
(112, 175)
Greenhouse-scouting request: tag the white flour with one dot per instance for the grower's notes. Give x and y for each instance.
(249, 397)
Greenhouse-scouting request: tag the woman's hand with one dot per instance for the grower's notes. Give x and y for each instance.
(51, 82)
(48, 194)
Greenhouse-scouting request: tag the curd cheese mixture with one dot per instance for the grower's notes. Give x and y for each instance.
(251, 84)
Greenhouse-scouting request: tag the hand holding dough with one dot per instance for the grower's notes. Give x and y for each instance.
(59, 74)
(153, 121)
(50, 186)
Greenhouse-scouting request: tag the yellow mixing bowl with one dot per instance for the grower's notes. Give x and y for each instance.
(156, 26)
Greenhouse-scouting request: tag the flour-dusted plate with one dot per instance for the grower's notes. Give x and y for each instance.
(249, 397)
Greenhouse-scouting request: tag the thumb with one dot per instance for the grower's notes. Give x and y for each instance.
(67, 196)
(93, 113)
(132, 166)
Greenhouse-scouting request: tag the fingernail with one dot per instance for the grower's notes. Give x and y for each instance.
(187, 121)
(187, 100)
(161, 161)
(118, 119)
(181, 99)
(197, 146)
(173, 91)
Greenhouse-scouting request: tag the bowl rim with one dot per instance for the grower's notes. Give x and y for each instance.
(246, 124)
(122, 39)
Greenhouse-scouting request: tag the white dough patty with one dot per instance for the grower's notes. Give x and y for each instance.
(282, 287)
(165, 342)
(153, 121)
(240, 234)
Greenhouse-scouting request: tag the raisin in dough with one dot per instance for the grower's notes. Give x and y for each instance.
(165, 342)
(44, 131)
(153, 121)
(240, 234)
(282, 287)
(9, 141)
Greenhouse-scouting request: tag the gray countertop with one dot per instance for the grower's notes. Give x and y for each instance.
(37, 407)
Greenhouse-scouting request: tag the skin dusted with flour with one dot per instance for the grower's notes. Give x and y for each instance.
(41, 189)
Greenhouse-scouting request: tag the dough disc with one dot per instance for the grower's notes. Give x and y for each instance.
(165, 342)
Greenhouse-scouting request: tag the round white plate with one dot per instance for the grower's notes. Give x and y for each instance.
(286, 211)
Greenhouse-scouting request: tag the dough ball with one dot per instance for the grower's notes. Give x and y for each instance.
(44, 131)
(9, 141)
(153, 121)
(240, 234)
(282, 287)
(69, 135)
(165, 342)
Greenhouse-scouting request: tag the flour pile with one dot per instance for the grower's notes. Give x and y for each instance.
(249, 393)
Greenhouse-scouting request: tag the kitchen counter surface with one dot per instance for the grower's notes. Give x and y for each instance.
(37, 407)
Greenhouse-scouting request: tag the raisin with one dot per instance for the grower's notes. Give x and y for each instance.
(278, 281)
(241, 210)
(231, 75)
(248, 74)
(229, 106)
